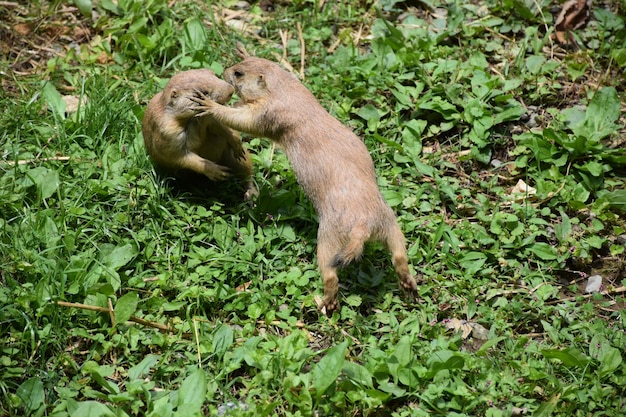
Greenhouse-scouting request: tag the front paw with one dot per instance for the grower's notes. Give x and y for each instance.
(203, 103)
(217, 172)
(237, 151)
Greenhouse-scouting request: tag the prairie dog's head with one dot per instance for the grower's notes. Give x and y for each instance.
(185, 85)
(256, 78)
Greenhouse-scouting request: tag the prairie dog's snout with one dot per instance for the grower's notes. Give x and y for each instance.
(221, 96)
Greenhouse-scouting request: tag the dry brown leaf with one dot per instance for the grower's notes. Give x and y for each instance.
(22, 28)
(574, 15)
(522, 188)
(463, 326)
(72, 103)
(244, 286)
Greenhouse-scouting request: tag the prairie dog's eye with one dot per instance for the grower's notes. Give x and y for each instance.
(238, 74)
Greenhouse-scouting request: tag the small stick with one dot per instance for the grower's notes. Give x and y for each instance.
(302, 50)
(30, 161)
(162, 327)
(195, 332)
(618, 290)
(284, 40)
(111, 312)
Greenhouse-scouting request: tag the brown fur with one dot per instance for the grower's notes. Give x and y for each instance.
(177, 139)
(331, 163)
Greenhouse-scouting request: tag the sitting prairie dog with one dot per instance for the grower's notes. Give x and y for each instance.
(330, 162)
(177, 139)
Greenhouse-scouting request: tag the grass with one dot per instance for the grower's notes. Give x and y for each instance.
(456, 105)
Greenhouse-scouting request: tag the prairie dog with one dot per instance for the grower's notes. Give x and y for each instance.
(330, 162)
(177, 139)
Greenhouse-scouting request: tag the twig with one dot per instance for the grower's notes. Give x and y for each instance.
(299, 323)
(359, 34)
(111, 312)
(284, 40)
(195, 332)
(618, 290)
(162, 327)
(354, 339)
(545, 24)
(30, 161)
(302, 50)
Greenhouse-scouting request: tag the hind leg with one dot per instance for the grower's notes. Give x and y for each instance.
(396, 245)
(326, 254)
(203, 166)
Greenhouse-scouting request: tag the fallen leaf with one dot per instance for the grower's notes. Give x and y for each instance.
(522, 188)
(22, 28)
(574, 15)
(463, 326)
(72, 103)
(244, 286)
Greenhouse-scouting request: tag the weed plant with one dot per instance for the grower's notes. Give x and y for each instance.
(127, 293)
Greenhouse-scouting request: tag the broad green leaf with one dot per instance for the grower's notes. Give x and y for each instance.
(609, 357)
(512, 113)
(192, 392)
(162, 407)
(50, 232)
(443, 359)
(222, 339)
(408, 377)
(369, 112)
(31, 393)
(472, 262)
(534, 64)
(93, 409)
(84, 6)
(255, 310)
(53, 99)
(544, 251)
(327, 370)
(137, 25)
(610, 362)
(488, 344)
(358, 373)
(46, 180)
(401, 357)
(412, 134)
(119, 256)
(571, 357)
(403, 351)
(195, 35)
(391, 388)
(563, 229)
(593, 167)
(615, 199)
(546, 409)
(143, 368)
(125, 307)
(602, 113)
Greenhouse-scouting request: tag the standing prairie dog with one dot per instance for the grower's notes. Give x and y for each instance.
(177, 139)
(330, 162)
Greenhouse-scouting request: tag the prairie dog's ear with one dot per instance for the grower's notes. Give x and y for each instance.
(261, 80)
(241, 52)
